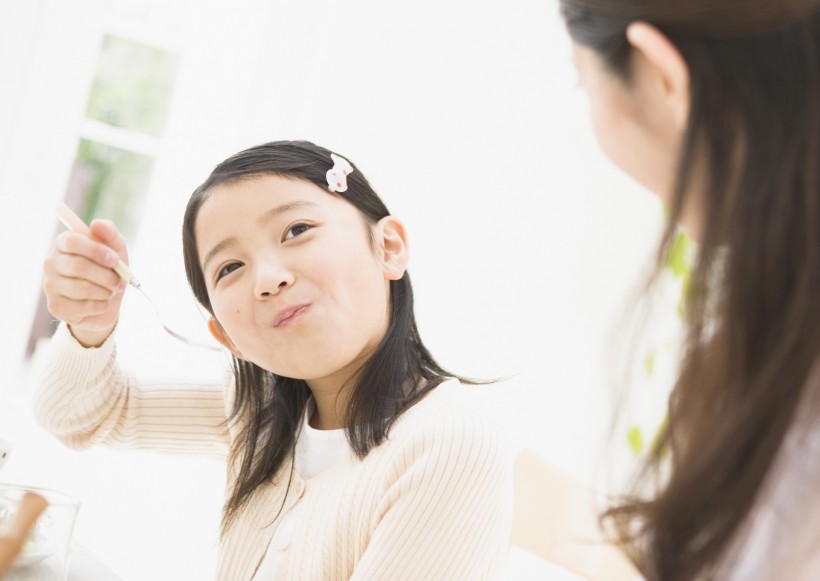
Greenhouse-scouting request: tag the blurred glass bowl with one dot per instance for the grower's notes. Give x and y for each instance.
(5, 450)
(49, 543)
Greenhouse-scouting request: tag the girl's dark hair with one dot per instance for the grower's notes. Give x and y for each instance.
(752, 306)
(270, 408)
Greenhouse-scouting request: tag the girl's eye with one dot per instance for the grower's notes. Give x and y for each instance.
(297, 229)
(227, 269)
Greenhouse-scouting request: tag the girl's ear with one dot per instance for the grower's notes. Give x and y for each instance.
(391, 239)
(665, 70)
(220, 335)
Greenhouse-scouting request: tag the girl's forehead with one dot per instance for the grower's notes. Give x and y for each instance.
(248, 197)
(242, 203)
(268, 187)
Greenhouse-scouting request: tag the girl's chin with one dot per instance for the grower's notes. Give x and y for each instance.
(319, 364)
(289, 372)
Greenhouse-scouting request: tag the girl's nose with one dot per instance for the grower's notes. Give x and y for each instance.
(270, 280)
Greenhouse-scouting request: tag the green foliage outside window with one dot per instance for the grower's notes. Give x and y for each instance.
(113, 180)
(132, 86)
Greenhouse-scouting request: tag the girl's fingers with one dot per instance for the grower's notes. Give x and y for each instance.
(79, 289)
(106, 232)
(76, 267)
(80, 285)
(79, 245)
(75, 311)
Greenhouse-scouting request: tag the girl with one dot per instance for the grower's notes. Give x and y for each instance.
(715, 106)
(351, 452)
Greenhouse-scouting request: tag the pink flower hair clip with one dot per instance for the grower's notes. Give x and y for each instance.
(337, 175)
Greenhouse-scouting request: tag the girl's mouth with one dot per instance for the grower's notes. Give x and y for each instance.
(289, 315)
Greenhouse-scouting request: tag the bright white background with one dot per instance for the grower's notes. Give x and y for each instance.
(465, 117)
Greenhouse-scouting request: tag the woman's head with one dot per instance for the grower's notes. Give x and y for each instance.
(639, 113)
(686, 95)
(296, 277)
(715, 105)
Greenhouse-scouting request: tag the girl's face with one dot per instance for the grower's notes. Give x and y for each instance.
(296, 285)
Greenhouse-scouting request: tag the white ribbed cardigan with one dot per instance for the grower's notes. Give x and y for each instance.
(432, 502)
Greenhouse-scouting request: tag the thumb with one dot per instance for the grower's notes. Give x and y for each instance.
(106, 232)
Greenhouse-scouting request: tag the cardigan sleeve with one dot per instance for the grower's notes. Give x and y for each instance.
(84, 398)
(447, 512)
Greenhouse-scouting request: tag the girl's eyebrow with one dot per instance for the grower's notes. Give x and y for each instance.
(282, 208)
(264, 218)
(222, 245)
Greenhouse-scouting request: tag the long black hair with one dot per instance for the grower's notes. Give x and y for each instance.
(752, 307)
(270, 408)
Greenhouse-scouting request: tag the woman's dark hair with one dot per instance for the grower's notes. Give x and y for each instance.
(270, 408)
(752, 307)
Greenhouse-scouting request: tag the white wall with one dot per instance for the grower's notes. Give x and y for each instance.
(464, 116)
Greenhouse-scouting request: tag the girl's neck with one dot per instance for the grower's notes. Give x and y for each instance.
(331, 402)
(327, 415)
(331, 394)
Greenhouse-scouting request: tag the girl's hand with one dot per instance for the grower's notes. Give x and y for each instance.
(81, 288)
